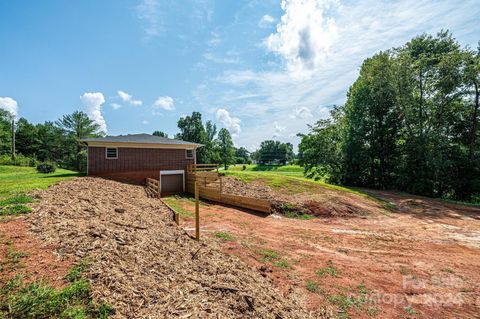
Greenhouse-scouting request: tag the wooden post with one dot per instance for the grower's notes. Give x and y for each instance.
(221, 184)
(197, 213)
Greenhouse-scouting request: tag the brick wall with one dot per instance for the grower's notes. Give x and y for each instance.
(135, 164)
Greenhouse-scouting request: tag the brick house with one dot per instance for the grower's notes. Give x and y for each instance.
(134, 157)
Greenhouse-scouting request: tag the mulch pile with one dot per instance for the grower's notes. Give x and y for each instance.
(146, 266)
(332, 204)
(255, 189)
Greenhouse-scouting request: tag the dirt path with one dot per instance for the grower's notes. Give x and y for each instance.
(422, 261)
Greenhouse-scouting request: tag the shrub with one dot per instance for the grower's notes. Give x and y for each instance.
(46, 167)
(244, 167)
(19, 160)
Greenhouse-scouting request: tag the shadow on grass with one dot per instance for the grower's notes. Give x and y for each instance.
(263, 168)
(64, 175)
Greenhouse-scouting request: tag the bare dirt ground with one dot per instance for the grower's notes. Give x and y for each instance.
(421, 260)
(21, 253)
(143, 264)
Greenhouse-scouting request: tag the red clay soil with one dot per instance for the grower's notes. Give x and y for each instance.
(421, 261)
(23, 253)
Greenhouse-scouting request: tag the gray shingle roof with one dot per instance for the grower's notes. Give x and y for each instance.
(139, 138)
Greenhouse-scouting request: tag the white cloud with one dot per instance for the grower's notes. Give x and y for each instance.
(148, 12)
(164, 102)
(305, 35)
(10, 105)
(278, 130)
(145, 122)
(115, 106)
(266, 21)
(231, 123)
(303, 113)
(125, 97)
(92, 104)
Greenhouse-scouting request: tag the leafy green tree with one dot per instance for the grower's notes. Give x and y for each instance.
(226, 149)
(78, 126)
(26, 138)
(274, 152)
(320, 151)
(372, 121)
(52, 143)
(192, 130)
(410, 122)
(242, 155)
(5, 132)
(160, 133)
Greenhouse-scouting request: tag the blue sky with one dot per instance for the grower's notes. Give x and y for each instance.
(263, 69)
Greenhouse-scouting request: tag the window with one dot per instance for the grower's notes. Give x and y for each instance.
(189, 154)
(112, 153)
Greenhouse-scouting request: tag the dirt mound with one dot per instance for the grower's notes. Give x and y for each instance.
(286, 204)
(143, 264)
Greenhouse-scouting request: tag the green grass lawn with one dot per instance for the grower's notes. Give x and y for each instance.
(291, 170)
(15, 180)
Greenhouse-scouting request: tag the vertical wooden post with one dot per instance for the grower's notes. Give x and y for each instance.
(221, 184)
(197, 213)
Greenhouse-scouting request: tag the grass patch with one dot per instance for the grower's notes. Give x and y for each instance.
(224, 236)
(269, 255)
(76, 272)
(16, 180)
(328, 270)
(311, 286)
(14, 210)
(409, 310)
(39, 300)
(290, 182)
(283, 263)
(346, 302)
(18, 199)
(282, 169)
(13, 259)
(176, 203)
(297, 215)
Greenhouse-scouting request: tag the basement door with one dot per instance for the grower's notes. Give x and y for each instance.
(172, 182)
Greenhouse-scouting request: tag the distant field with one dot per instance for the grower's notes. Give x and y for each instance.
(16, 180)
(284, 170)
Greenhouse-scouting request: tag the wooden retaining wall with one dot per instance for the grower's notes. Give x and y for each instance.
(210, 187)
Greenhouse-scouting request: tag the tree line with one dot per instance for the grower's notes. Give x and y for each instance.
(59, 142)
(410, 123)
(218, 146)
